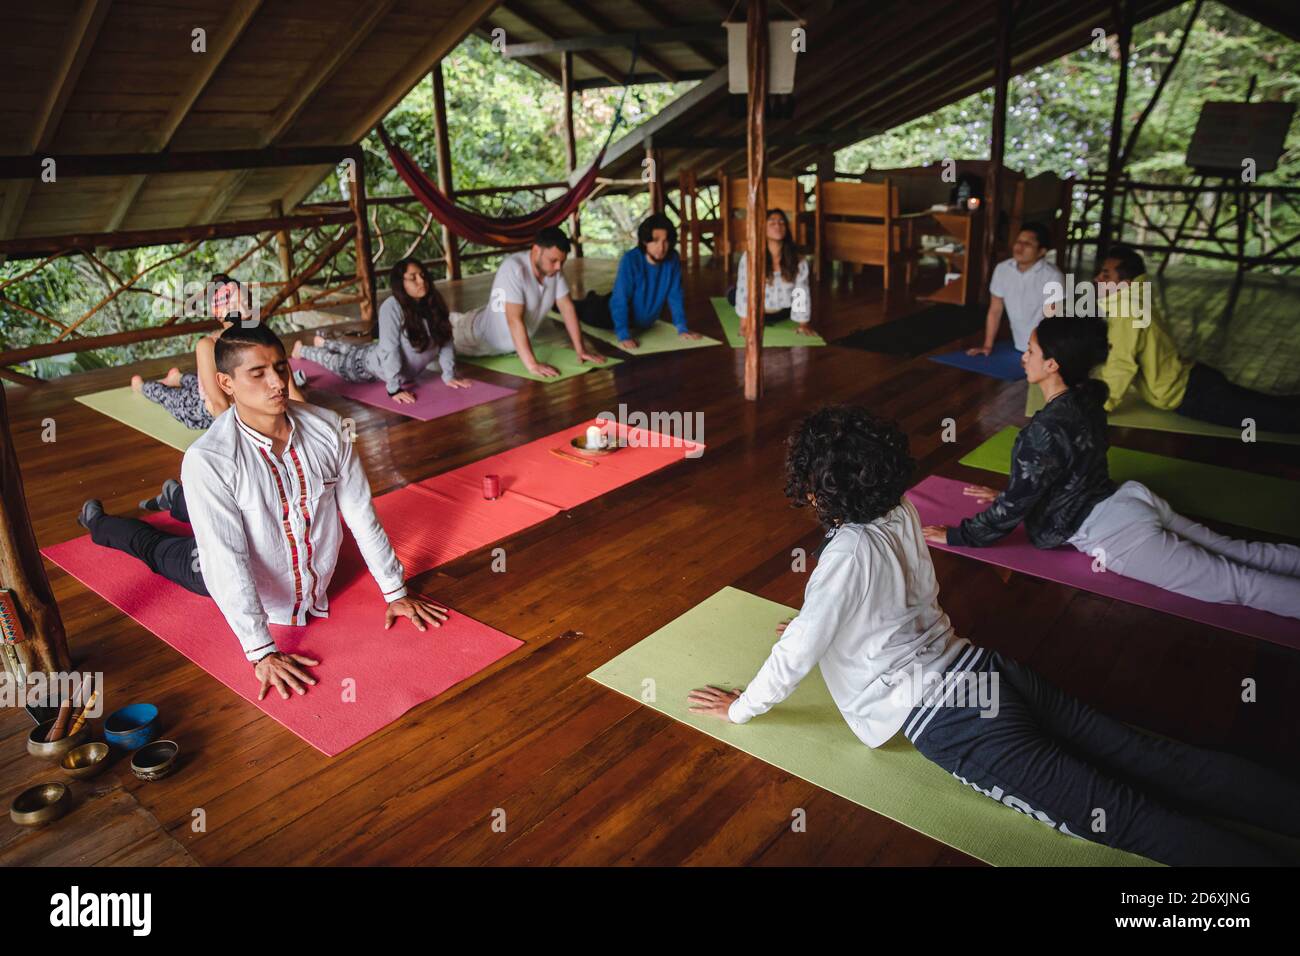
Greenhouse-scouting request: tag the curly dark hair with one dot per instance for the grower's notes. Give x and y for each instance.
(855, 465)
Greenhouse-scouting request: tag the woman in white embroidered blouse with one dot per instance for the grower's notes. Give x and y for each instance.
(786, 294)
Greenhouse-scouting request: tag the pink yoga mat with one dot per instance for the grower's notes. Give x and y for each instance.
(443, 517)
(432, 398)
(940, 501)
(391, 671)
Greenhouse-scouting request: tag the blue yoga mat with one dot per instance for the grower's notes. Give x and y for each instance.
(1003, 363)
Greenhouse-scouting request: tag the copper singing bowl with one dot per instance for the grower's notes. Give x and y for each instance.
(40, 805)
(37, 747)
(156, 760)
(85, 761)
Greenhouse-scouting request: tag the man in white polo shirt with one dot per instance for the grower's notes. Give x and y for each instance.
(527, 286)
(1019, 287)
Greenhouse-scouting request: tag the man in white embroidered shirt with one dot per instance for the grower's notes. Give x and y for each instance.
(264, 489)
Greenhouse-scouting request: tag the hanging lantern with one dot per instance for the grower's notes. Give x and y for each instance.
(785, 40)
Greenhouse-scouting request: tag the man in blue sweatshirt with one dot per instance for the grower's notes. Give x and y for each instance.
(649, 277)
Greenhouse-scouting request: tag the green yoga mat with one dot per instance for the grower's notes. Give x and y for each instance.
(779, 335)
(131, 408)
(658, 337)
(549, 353)
(1134, 413)
(1208, 491)
(726, 639)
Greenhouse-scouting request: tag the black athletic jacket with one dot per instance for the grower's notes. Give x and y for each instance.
(1058, 475)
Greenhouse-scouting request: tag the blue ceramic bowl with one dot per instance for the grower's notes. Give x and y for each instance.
(132, 727)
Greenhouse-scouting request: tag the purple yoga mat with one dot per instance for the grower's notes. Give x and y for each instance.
(432, 398)
(940, 501)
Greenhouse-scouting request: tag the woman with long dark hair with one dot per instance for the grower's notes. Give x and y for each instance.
(414, 331)
(1060, 487)
(786, 294)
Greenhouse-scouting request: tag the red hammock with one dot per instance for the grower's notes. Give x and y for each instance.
(480, 229)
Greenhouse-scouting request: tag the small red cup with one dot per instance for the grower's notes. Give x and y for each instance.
(491, 487)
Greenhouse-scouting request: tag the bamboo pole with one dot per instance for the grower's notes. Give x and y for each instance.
(1123, 11)
(451, 251)
(365, 273)
(756, 211)
(570, 143)
(284, 251)
(997, 144)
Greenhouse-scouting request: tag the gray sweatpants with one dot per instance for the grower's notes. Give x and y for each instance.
(1135, 533)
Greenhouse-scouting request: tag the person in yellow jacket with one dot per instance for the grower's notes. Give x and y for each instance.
(1144, 357)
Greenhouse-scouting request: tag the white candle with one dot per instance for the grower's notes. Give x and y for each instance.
(594, 439)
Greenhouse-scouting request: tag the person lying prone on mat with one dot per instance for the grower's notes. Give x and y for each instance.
(414, 332)
(891, 660)
(1144, 357)
(526, 287)
(194, 399)
(1060, 487)
(786, 294)
(649, 278)
(263, 492)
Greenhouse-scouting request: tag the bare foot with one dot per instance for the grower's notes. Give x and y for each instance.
(172, 379)
(318, 341)
(296, 351)
(137, 383)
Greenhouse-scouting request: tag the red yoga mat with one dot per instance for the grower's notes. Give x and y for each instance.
(432, 398)
(940, 501)
(385, 672)
(443, 517)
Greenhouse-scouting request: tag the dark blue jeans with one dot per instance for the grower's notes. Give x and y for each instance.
(1035, 749)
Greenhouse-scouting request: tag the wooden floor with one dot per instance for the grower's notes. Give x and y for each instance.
(585, 775)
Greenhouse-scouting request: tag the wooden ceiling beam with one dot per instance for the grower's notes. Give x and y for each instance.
(340, 48)
(81, 40)
(604, 25)
(549, 31)
(656, 13)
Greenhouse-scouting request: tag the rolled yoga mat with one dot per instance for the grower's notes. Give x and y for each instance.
(725, 640)
(129, 407)
(1241, 498)
(1003, 362)
(657, 337)
(433, 399)
(778, 335)
(941, 501)
(391, 671)
(1134, 413)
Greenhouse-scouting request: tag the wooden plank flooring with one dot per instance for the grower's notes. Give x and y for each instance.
(584, 775)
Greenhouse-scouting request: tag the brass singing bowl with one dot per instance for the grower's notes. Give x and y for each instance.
(81, 763)
(37, 747)
(156, 760)
(41, 804)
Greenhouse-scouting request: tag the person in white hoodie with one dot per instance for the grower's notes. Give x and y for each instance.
(892, 661)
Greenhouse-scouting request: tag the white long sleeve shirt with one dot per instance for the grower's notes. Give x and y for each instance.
(871, 619)
(267, 526)
(778, 294)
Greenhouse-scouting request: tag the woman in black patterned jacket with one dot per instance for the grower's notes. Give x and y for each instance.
(1060, 487)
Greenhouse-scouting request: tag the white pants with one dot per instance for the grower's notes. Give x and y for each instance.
(1141, 537)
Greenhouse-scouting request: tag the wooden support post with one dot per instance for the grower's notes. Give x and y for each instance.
(570, 143)
(997, 143)
(825, 174)
(688, 184)
(365, 269)
(756, 47)
(284, 247)
(656, 183)
(1123, 11)
(451, 252)
(21, 570)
